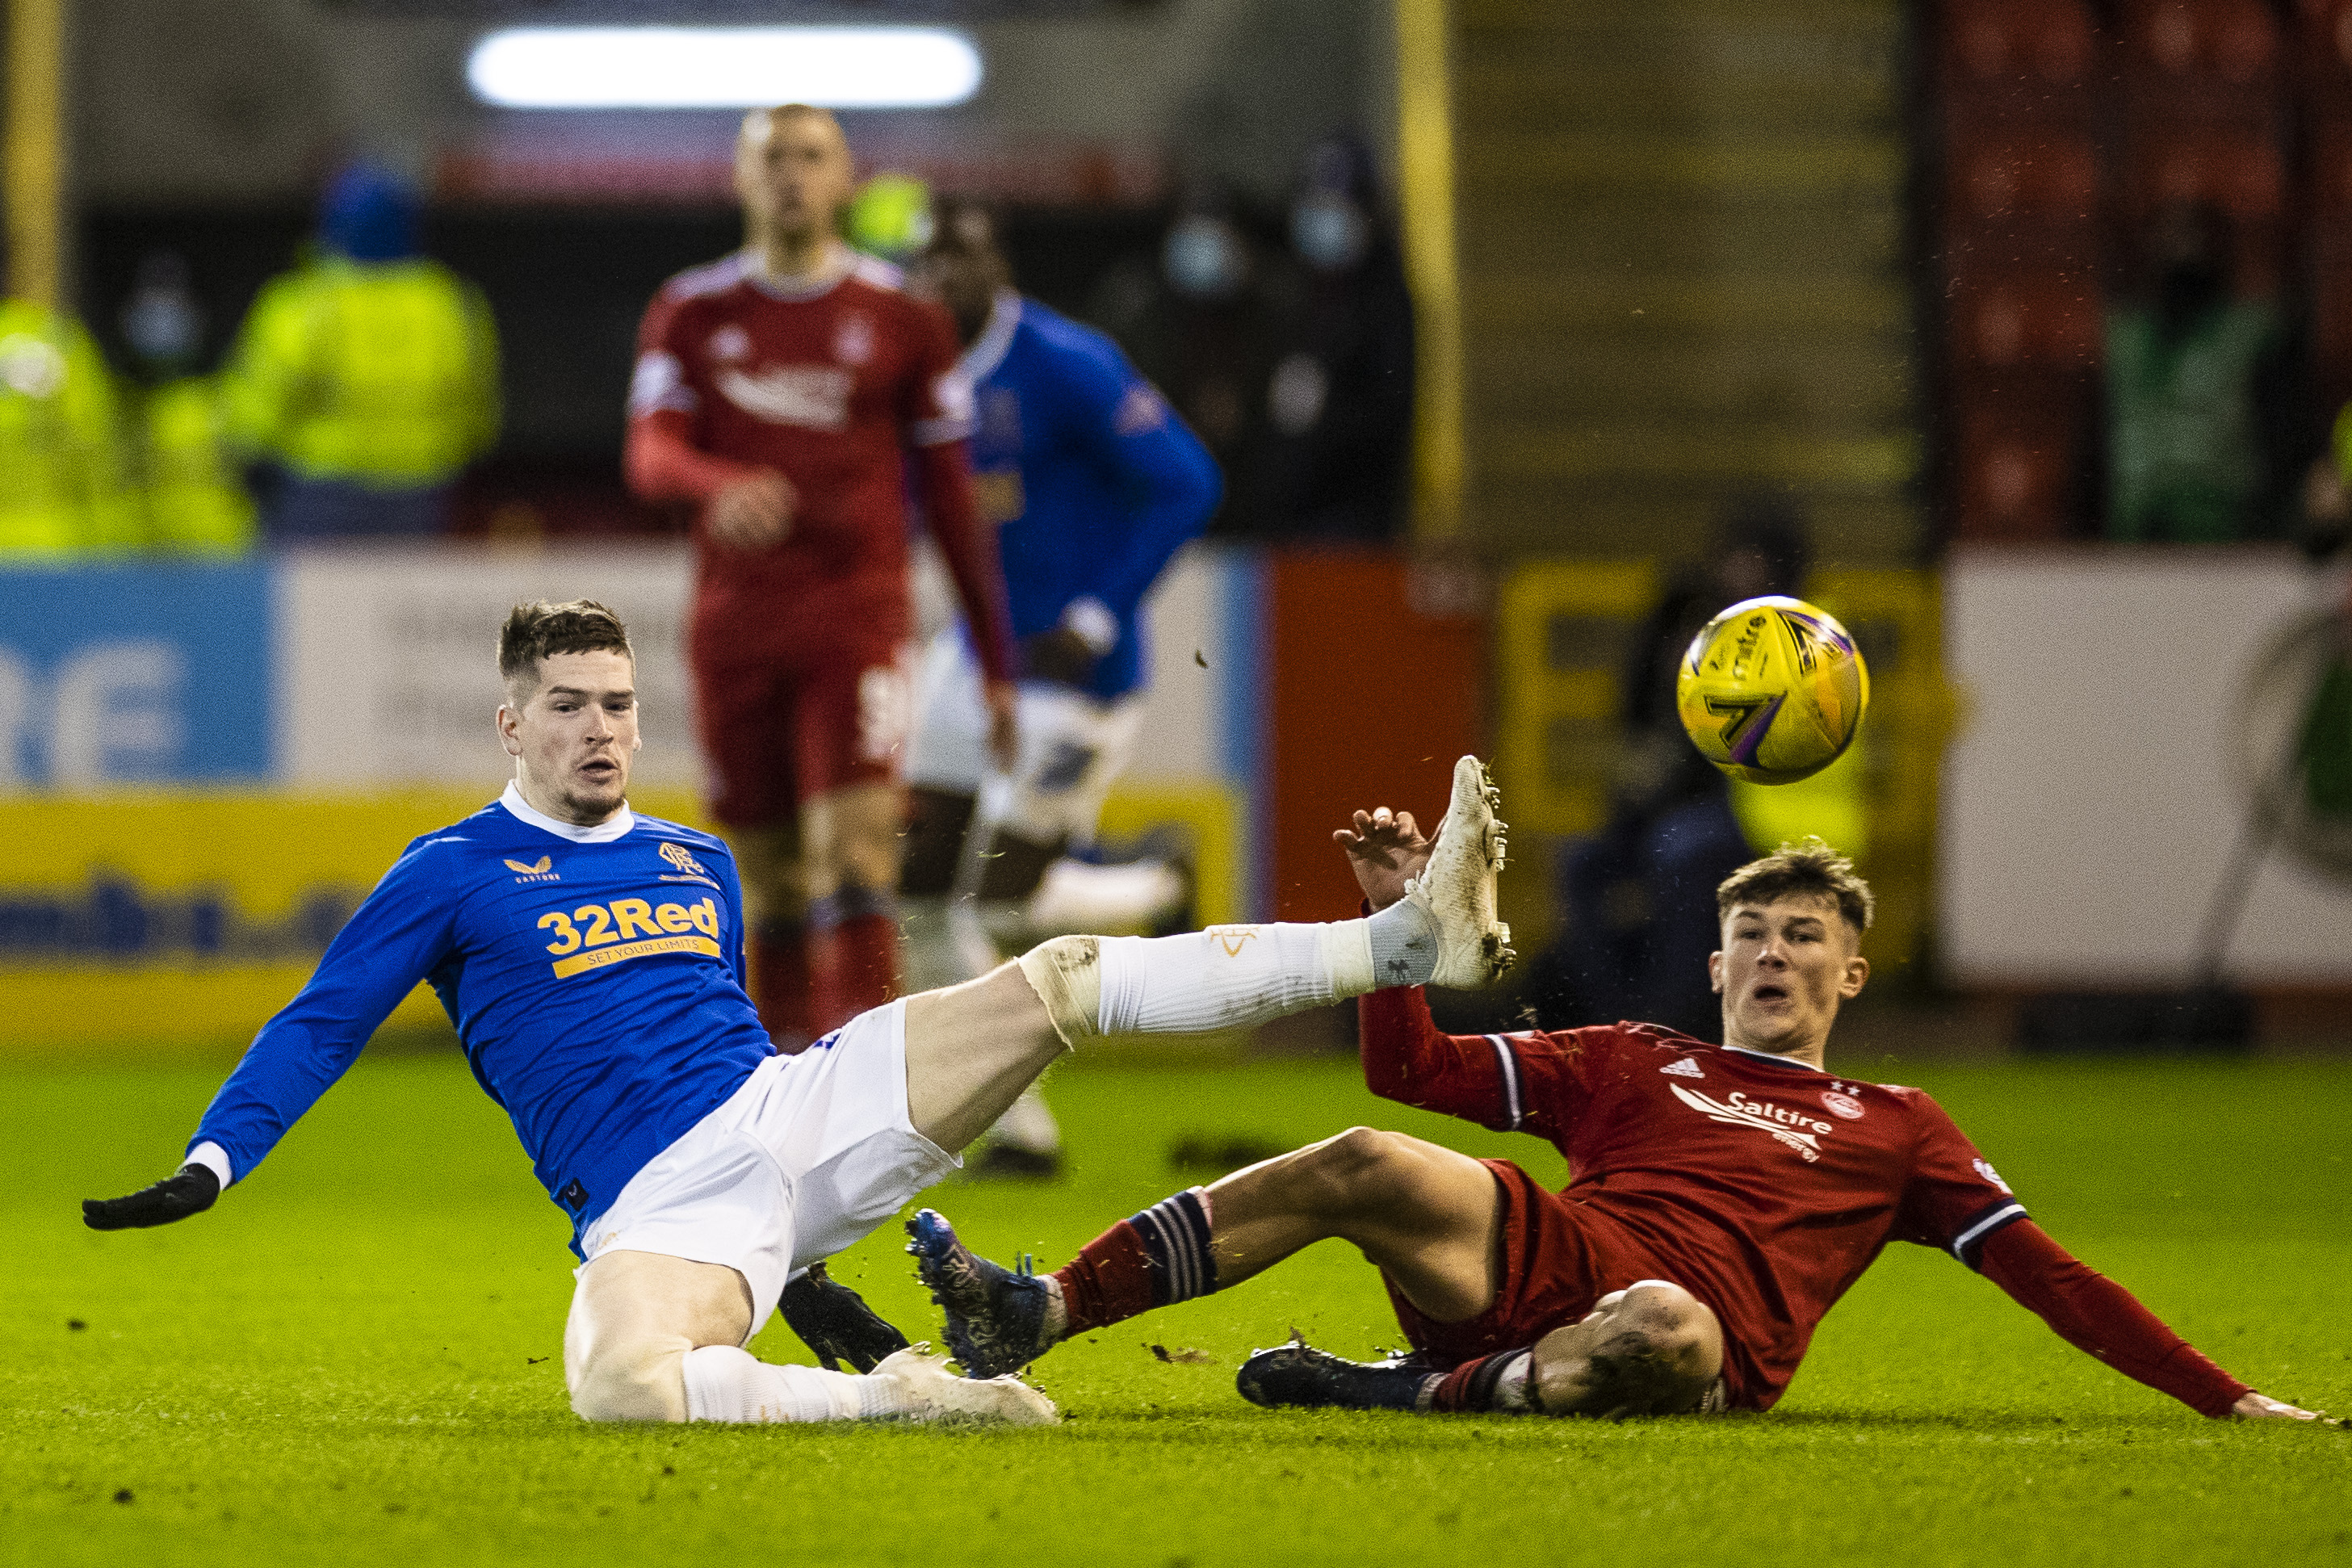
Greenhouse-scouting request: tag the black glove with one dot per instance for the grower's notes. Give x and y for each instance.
(834, 1321)
(189, 1190)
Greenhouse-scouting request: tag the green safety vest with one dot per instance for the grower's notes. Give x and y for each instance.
(378, 373)
(2185, 460)
(61, 490)
(195, 502)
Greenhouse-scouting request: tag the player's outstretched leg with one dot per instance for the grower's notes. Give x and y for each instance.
(1428, 1216)
(1652, 1349)
(656, 1338)
(972, 1048)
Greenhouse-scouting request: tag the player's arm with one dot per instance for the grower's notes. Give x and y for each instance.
(1957, 1203)
(1171, 483)
(743, 505)
(1511, 1082)
(2101, 1318)
(398, 936)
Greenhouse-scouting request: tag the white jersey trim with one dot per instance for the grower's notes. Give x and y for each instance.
(213, 1158)
(988, 351)
(1510, 1062)
(617, 826)
(1984, 1226)
(711, 277)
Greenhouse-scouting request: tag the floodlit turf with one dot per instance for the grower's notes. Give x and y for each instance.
(355, 1359)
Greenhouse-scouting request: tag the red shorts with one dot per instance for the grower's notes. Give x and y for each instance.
(1555, 1266)
(784, 722)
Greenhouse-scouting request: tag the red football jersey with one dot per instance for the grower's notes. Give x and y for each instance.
(1761, 1185)
(828, 386)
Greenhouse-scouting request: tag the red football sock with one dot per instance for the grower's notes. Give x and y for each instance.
(1110, 1279)
(1472, 1385)
(780, 985)
(854, 968)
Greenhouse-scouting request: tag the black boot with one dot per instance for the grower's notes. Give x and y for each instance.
(1299, 1375)
(834, 1321)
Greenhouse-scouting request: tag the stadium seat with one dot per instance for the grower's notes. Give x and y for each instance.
(2034, 320)
(1996, 43)
(2052, 181)
(2017, 454)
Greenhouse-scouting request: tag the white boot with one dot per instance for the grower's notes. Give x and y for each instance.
(927, 1391)
(1457, 889)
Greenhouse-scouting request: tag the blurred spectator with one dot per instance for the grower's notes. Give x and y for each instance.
(1638, 897)
(2205, 433)
(61, 490)
(1337, 428)
(1197, 323)
(195, 501)
(366, 378)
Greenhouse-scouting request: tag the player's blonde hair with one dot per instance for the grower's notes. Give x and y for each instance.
(1808, 867)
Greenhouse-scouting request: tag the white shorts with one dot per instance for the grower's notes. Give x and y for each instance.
(807, 1158)
(1072, 747)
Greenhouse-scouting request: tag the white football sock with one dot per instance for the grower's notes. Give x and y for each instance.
(723, 1383)
(1228, 976)
(1511, 1389)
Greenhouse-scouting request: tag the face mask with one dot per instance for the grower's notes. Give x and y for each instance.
(1329, 232)
(162, 326)
(1201, 258)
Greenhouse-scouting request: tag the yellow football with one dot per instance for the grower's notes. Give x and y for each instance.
(1772, 690)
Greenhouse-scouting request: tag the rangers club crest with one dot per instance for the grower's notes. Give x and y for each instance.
(1844, 1105)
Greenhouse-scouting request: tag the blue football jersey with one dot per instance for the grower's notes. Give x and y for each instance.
(1092, 479)
(595, 976)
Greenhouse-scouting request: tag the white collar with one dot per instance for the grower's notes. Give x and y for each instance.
(989, 349)
(616, 825)
(840, 261)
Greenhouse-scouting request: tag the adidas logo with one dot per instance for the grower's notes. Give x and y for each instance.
(1682, 1066)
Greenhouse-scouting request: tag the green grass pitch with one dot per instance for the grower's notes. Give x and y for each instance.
(355, 1359)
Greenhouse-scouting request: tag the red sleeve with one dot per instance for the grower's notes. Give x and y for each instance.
(1524, 1082)
(664, 464)
(663, 461)
(969, 546)
(2101, 1318)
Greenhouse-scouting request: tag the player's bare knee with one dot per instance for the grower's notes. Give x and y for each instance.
(1359, 1169)
(643, 1380)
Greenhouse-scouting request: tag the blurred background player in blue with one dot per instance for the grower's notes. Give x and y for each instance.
(1094, 484)
(365, 379)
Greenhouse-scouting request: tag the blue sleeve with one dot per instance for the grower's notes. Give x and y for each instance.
(730, 888)
(1170, 481)
(396, 938)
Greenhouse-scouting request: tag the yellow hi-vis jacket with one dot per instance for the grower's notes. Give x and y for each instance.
(61, 480)
(196, 502)
(377, 372)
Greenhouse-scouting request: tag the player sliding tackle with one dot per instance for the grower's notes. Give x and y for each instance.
(1722, 1198)
(593, 962)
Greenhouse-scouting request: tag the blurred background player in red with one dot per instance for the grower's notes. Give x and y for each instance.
(789, 391)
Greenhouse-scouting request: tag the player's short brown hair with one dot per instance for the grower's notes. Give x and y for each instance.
(538, 629)
(1808, 867)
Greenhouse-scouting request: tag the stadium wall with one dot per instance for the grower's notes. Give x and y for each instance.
(2093, 795)
(203, 769)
